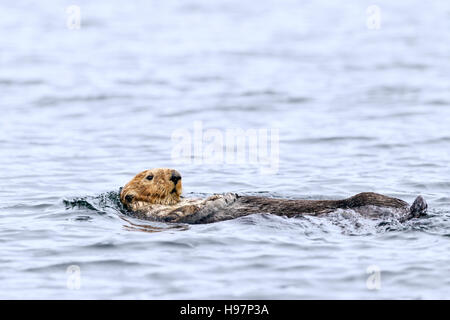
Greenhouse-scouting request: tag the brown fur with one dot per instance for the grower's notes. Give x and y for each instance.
(159, 199)
(160, 190)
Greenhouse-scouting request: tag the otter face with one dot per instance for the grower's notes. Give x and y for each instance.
(154, 186)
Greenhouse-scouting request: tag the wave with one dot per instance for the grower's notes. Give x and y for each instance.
(343, 221)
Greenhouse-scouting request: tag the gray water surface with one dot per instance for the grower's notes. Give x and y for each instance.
(357, 109)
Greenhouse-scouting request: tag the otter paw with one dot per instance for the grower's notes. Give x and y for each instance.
(173, 216)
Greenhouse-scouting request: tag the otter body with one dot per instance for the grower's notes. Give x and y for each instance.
(155, 195)
(230, 206)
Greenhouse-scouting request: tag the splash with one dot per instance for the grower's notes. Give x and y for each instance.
(344, 221)
(108, 204)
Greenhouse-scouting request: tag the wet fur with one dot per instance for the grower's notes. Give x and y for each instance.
(159, 190)
(156, 201)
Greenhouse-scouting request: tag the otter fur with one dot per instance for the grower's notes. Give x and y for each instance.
(156, 195)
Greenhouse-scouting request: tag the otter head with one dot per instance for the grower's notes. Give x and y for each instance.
(154, 186)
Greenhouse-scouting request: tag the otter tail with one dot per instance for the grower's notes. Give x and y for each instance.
(418, 208)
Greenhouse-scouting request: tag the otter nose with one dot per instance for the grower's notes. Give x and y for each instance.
(175, 177)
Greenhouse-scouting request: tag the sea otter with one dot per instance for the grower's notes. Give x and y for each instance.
(155, 194)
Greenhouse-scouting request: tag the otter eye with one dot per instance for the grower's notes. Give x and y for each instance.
(150, 177)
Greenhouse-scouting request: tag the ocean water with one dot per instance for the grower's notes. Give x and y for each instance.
(359, 98)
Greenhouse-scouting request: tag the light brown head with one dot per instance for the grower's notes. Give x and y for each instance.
(154, 186)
